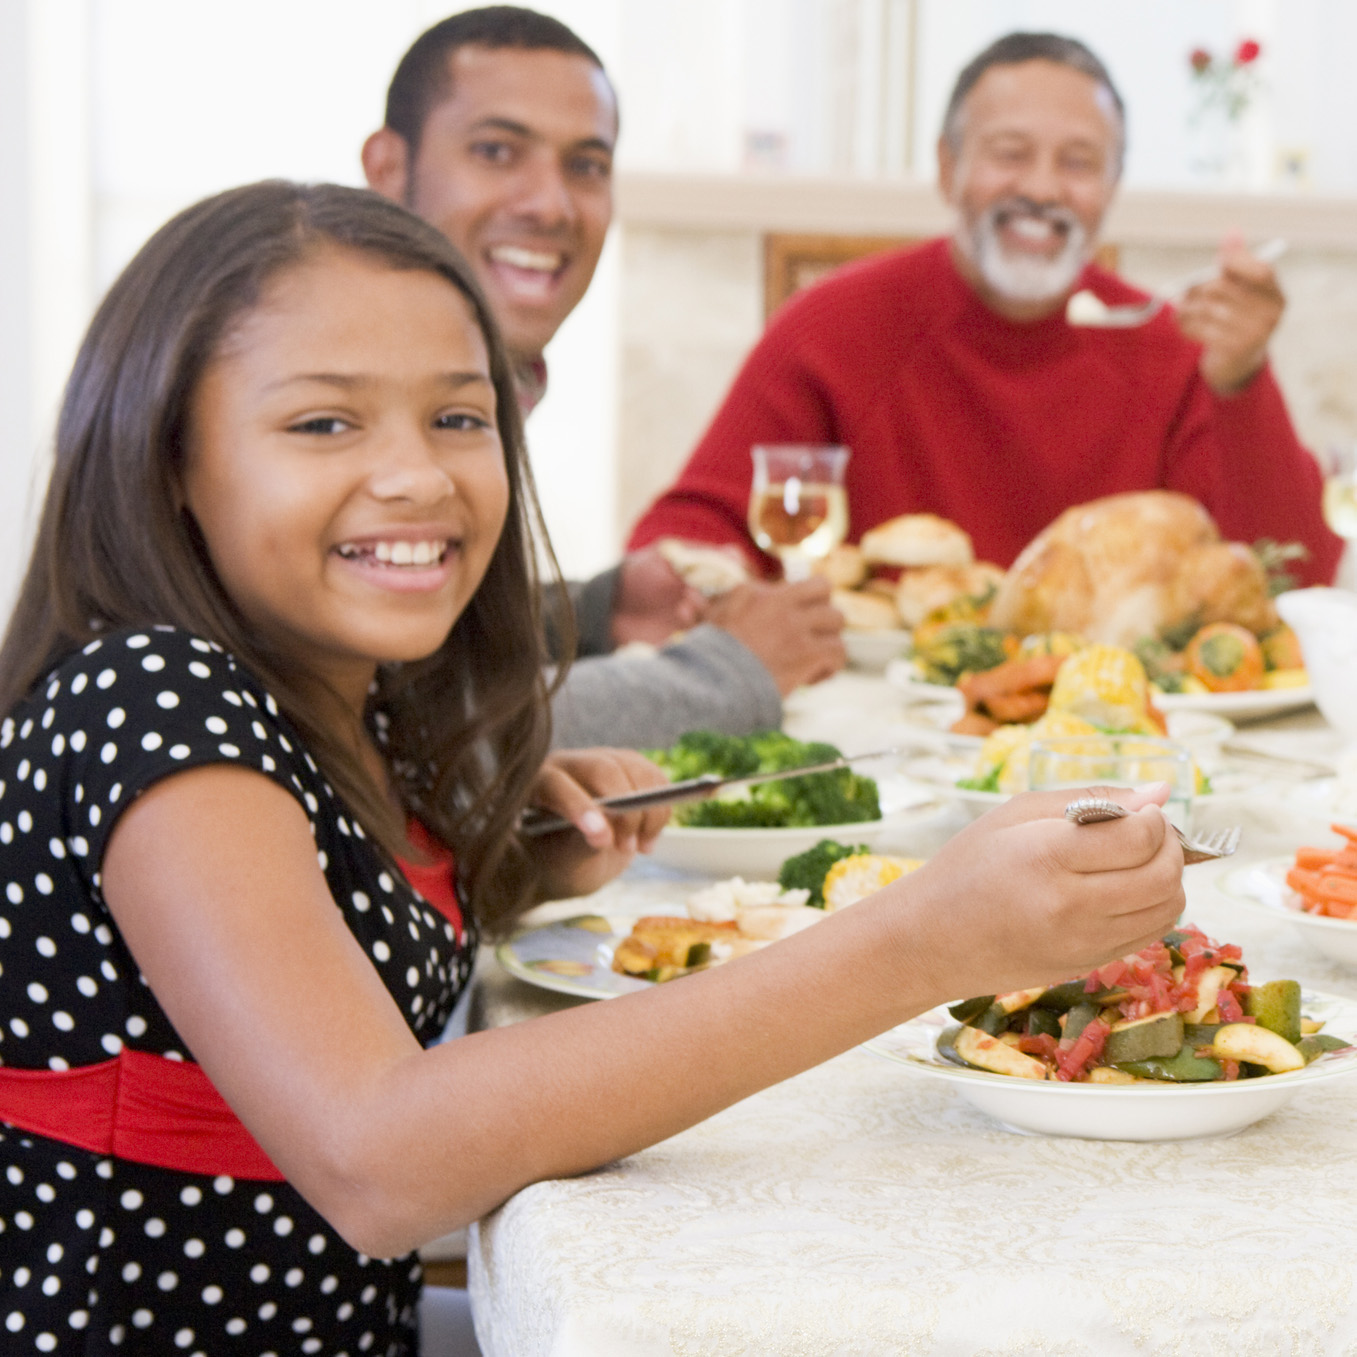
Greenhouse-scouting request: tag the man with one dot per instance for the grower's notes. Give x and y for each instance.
(954, 376)
(500, 127)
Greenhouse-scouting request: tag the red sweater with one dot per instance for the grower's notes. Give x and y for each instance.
(951, 409)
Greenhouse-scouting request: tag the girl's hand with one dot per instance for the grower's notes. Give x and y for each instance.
(570, 780)
(1023, 897)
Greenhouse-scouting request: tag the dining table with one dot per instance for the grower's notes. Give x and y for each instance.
(865, 1208)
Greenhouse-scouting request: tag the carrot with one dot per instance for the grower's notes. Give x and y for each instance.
(1304, 883)
(1342, 889)
(1347, 831)
(1312, 858)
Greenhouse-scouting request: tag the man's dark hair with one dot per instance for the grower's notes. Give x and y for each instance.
(423, 80)
(1014, 48)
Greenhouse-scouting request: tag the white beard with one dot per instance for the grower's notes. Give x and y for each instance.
(1024, 277)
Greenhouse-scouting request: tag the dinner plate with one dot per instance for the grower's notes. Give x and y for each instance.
(1128, 1111)
(1255, 705)
(873, 650)
(1264, 884)
(572, 956)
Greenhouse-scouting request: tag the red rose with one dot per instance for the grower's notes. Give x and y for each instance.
(1246, 52)
(1200, 59)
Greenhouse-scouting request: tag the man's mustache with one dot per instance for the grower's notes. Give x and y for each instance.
(1019, 206)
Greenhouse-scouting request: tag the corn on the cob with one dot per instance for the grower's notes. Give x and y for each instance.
(852, 879)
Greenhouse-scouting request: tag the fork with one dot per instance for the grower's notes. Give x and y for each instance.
(1088, 810)
(1089, 311)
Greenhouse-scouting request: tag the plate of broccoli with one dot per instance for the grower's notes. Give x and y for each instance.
(752, 830)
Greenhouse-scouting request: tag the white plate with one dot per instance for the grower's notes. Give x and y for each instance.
(1264, 885)
(874, 650)
(1199, 731)
(1129, 1112)
(1250, 706)
(752, 853)
(572, 956)
(1256, 705)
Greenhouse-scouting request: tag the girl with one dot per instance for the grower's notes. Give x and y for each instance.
(275, 666)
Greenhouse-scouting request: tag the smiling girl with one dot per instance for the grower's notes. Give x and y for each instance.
(275, 668)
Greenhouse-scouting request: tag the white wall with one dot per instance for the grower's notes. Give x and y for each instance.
(116, 113)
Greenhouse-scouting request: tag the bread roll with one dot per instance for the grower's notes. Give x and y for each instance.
(865, 612)
(917, 539)
(844, 567)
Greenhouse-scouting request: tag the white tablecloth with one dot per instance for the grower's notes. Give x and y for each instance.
(863, 1209)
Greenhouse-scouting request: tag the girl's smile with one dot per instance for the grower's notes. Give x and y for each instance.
(345, 467)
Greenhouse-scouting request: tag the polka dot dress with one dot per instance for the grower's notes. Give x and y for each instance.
(99, 1255)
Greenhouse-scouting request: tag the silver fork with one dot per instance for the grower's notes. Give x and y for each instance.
(1088, 810)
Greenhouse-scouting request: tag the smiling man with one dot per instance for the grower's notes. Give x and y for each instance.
(500, 127)
(953, 374)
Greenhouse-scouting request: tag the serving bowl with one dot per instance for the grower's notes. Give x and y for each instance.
(1127, 1111)
(1264, 885)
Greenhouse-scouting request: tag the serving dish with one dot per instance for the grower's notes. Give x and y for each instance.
(1263, 884)
(1121, 1112)
(1254, 705)
(761, 852)
(873, 650)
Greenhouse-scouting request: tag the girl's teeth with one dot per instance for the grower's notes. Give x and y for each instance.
(399, 553)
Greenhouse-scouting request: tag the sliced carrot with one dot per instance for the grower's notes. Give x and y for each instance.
(1311, 858)
(1342, 889)
(1304, 883)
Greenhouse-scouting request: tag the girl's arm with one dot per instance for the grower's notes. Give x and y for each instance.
(395, 1145)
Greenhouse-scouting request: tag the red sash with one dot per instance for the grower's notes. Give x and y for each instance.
(151, 1110)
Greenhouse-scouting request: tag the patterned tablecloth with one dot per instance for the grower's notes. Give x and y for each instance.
(864, 1209)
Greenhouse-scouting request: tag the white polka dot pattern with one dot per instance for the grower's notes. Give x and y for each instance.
(99, 1254)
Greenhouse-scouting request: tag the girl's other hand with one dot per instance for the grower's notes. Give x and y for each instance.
(1023, 897)
(568, 785)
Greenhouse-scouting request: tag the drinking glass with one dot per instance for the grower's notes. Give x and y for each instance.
(798, 509)
(1077, 761)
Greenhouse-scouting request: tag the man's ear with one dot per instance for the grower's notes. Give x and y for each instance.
(386, 164)
(946, 168)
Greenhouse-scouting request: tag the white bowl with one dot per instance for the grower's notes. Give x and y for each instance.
(751, 853)
(1264, 885)
(873, 650)
(1325, 622)
(1126, 1112)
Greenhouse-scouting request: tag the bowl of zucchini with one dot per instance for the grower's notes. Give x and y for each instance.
(1172, 1043)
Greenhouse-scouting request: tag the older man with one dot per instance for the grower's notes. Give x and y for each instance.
(952, 373)
(499, 130)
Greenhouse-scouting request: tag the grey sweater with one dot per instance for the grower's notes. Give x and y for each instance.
(706, 681)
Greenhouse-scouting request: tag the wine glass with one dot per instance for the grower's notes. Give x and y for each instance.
(1340, 489)
(798, 509)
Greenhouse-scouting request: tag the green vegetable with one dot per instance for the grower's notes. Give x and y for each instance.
(834, 798)
(1314, 1046)
(807, 871)
(1187, 1067)
(960, 649)
(970, 1009)
(1276, 1006)
(1161, 1034)
(1079, 1017)
(988, 783)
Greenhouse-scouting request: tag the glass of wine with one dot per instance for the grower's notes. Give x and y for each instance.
(798, 509)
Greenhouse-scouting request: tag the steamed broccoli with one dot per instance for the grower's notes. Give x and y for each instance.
(706, 751)
(807, 871)
(838, 797)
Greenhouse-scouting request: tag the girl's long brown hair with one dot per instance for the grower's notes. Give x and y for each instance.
(467, 728)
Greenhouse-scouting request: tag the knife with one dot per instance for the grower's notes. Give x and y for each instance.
(536, 822)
